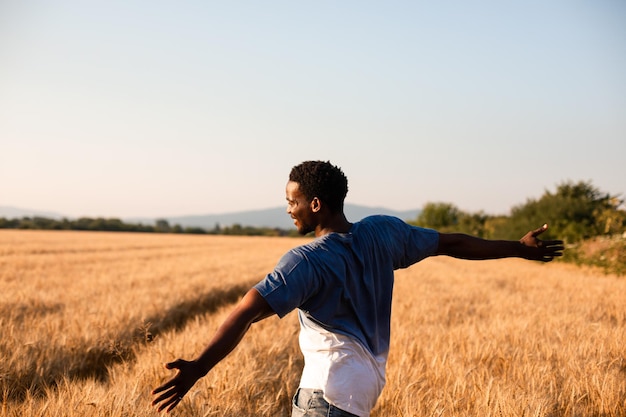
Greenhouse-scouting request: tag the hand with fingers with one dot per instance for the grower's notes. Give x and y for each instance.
(541, 250)
(251, 309)
(173, 391)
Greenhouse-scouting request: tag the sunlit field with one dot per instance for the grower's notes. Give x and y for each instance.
(87, 320)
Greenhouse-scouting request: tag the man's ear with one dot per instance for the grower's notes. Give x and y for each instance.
(316, 205)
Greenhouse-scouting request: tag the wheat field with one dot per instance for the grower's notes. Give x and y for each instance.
(87, 320)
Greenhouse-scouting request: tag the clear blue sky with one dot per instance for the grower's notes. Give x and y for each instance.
(151, 108)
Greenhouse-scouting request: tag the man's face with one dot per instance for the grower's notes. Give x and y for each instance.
(299, 209)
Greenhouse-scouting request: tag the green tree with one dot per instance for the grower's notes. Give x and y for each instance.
(440, 216)
(576, 211)
(612, 219)
(162, 226)
(473, 223)
(82, 223)
(9, 223)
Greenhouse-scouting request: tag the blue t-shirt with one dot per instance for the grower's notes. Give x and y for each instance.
(344, 281)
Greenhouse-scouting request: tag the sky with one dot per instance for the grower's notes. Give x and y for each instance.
(153, 108)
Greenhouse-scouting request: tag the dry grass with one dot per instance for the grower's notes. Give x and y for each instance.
(87, 319)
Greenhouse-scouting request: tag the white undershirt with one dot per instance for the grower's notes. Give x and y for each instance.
(350, 376)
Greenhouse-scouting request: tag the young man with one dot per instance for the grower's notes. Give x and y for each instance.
(341, 283)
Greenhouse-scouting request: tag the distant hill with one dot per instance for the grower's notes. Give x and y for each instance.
(271, 217)
(9, 212)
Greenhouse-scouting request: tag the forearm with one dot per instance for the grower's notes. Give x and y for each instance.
(227, 337)
(468, 247)
(252, 308)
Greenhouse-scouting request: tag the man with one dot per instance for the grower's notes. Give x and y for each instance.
(341, 283)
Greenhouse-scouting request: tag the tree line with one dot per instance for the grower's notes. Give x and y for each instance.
(575, 212)
(117, 225)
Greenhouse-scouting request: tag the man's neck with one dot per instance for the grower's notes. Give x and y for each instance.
(334, 224)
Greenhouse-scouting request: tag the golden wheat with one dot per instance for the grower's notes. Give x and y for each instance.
(87, 319)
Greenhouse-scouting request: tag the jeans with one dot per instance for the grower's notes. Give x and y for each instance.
(311, 403)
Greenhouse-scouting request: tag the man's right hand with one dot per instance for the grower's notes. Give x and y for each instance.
(173, 391)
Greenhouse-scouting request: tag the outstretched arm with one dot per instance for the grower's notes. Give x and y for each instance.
(463, 246)
(252, 308)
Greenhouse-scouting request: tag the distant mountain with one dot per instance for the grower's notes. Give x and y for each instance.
(9, 212)
(271, 217)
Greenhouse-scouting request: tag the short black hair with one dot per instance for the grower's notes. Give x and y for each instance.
(322, 180)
